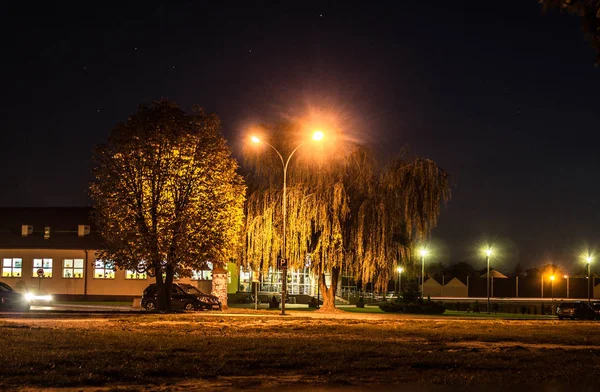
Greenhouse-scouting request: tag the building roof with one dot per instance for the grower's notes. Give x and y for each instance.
(456, 282)
(431, 282)
(63, 223)
(495, 274)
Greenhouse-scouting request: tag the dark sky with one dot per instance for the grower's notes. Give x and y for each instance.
(502, 96)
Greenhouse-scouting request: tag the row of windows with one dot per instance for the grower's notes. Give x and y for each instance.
(73, 269)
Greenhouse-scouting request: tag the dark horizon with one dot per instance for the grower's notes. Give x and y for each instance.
(502, 96)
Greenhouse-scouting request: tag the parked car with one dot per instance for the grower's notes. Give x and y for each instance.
(576, 310)
(11, 300)
(596, 308)
(183, 296)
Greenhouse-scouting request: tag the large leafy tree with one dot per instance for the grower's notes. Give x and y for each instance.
(589, 11)
(167, 194)
(344, 210)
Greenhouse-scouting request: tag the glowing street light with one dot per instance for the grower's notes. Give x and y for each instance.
(423, 252)
(317, 136)
(399, 269)
(589, 263)
(488, 253)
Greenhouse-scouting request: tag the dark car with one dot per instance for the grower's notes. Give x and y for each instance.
(576, 310)
(11, 300)
(183, 296)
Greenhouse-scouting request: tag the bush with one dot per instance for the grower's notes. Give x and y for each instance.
(524, 310)
(495, 308)
(414, 308)
(475, 307)
(360, 303)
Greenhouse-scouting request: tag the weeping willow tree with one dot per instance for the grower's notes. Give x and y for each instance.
(343, 209)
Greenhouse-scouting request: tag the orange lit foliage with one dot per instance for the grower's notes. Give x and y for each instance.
(344, 208)
(167, 195)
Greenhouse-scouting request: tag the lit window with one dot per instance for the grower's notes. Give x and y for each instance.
(42, 268)
(73, 268)
(133, 274)
(12, 268)
(203, 274)
(104, 269)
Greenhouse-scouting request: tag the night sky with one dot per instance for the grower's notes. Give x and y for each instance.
(501, 95)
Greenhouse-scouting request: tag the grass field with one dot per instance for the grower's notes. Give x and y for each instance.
(219, 351)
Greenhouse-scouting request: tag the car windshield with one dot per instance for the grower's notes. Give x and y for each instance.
(189, 289)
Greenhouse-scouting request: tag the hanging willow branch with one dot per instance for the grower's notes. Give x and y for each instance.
(349, 210)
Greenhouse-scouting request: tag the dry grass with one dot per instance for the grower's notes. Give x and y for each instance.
(230, 352)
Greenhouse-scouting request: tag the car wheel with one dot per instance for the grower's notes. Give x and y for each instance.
(150, 305)
(189, 306)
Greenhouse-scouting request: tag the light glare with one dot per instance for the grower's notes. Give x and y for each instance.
(318, 135)
(255, 139)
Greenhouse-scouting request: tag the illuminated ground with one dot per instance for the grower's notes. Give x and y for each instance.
(227, 352)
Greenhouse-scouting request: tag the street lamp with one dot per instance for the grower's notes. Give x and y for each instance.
(552, 286)
(399, 279)
(423, 252)
(567, 278)
(317, 136)
(589, 262)
(488, 253)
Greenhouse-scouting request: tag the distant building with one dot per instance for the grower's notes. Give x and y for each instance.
(495, 274)
(455, 288)
(431, 288)
(54, 251)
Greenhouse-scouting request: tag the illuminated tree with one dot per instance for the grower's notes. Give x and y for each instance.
(344, 209)
(167, 195)
(589, 11)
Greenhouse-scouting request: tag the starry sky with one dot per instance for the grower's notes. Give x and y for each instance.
(501, 95)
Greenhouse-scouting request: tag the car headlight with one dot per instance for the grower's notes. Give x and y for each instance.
(29, 297)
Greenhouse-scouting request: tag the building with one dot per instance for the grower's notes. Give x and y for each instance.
(54, 251)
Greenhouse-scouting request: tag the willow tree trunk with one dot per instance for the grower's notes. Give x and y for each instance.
(328, 293)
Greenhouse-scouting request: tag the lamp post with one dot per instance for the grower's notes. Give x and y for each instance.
(542, 293)
(399, 280)
(317, 136)
(589, 262)
(567, 278)
(488, 253)
(423, 252)
(552, 286)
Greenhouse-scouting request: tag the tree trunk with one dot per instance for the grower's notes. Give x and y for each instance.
(164, 287)
(328, 293)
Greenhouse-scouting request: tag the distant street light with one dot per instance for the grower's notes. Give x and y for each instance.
(399, 280)
(317, 136)
(423, 252)
(488, 253)
(589, 263)
(567, 278)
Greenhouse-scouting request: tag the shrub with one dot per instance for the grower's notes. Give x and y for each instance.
(524, 310)
(475, 307)
(495, 308)
(360, 303)
(414, 308)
